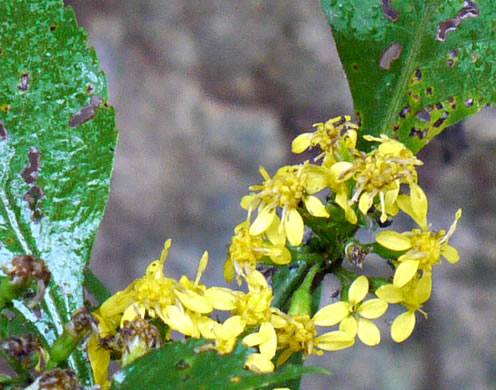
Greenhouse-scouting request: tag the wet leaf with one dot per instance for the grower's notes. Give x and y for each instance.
(415, 67)
(180, 365)
(57, 138)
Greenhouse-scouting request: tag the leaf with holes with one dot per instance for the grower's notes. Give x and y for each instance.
(57, 140)
(415, 67)
(180, 365)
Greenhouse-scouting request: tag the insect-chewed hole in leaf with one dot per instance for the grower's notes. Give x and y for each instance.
(396, 128)
(453, 53)
(33, 196)
(3, 131)
(391, 54)
(24, 85)
(30, 173)
(469, 10)
(469, 102)
(87, 112)
(419, 133)
(405, 111)
(451, 63)
(389, 11)
(424, 116)
(182, 365)
(1, 50)
(89, 89)
(53, 27)
(429, 91)
(441, 120)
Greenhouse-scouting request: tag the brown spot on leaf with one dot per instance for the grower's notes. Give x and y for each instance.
(359, 119)
(418, 75)
(469, 10)
(3, 131)
(87, 112)
(53, 27)
(420, 134)
(30, 173)
(396, 128)
(441, 120)
(24, 85)
(356, 68)
(33, 196)
(391, 54)
(6, 107)
(389, 11)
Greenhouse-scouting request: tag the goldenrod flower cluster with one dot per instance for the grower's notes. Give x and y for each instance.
(363, 188)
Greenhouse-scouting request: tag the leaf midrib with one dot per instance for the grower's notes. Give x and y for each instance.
(406, 71)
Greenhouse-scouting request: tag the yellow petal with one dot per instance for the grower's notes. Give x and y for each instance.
(177, 320)
(263, 221)
(249, 202)
(99, 360)
(368, 332)
(365, 202)
(221, 298)
(332, 314)
(259, 364)
(423, 290)
(294, 227)
(335, 341)
(419, 205)
(405, 272)
(390, 293)
(301, 143)
(229, 270)
(358, 290)
(280, 255)
(373, 308)
(275, 235)
(394, 240)
(349, 325)
(341, 171)
(194, 301)
(403, 326)
(315, 206)
(450, 253)
(269, 344)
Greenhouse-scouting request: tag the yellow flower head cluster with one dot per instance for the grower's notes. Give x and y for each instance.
(277, 211)
(422, 249)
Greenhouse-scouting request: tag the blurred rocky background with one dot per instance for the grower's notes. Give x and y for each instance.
(205, 93)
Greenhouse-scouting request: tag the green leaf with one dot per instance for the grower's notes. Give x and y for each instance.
(95, 286)
(57, 141)
(179, 365)
(410, 76)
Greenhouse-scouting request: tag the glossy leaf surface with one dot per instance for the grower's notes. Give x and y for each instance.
(57, 140)
(415, 67)
(179, 365)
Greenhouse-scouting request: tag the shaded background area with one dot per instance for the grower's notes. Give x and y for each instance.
(205, 93)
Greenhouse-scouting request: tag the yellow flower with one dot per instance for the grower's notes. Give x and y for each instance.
(331, 137)
(412, 295)
(354, 316)
(298, 333)
(254, 307)
(184, 306)
(378, 175)
(266, 340)
(226, 334)
(246, 250)
(289, 186)
(423, 247)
